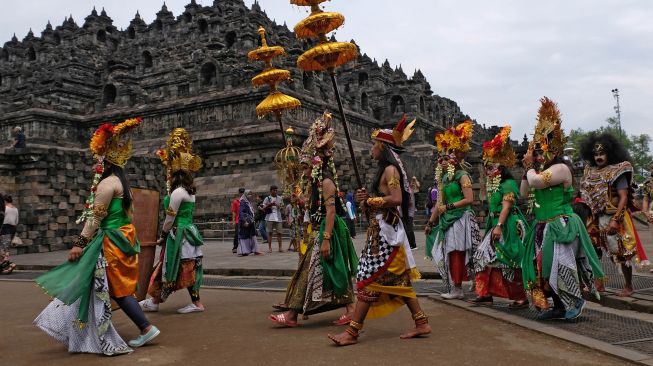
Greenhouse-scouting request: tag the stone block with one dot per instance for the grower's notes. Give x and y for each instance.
(63, 219)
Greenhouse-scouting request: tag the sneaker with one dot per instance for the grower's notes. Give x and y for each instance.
(456, 293)
(576, 311)
(118, 352)
(414, 249)
(191, 308)
(144, 338)
(552, 314)
(148, 305)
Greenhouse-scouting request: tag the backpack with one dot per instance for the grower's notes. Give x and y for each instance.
(268, 208)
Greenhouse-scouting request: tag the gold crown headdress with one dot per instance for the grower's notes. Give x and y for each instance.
(498, 150)
(320, 134)
(455, 139)
(397, 136)
(178, 154)
(108, 143)
(548, 135)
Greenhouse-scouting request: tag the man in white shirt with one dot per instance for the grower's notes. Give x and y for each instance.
(273, 218)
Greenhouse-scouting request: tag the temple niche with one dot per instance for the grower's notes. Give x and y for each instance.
(188, 70)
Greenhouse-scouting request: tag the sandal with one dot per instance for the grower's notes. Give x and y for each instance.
(343, 320)
(282, 321)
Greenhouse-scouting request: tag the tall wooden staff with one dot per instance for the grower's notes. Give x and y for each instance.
(326, 56)
(276, 102)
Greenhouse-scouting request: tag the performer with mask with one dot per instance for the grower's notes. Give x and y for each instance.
(452, 242)
(606, 189)
(559, 259)
(323, 280)
(497, 260)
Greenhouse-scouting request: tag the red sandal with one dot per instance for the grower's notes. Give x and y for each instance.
(282, 321)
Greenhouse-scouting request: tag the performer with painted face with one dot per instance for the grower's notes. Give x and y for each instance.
(606, 189)
(451, 243)
(180, 266)
(103, 263)
(497, 261)
(386, 266)
(323, 280)
(559, 259)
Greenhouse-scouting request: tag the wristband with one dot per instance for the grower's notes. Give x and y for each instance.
(80, 241)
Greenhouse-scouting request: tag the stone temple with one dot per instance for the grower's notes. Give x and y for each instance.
(189, 71)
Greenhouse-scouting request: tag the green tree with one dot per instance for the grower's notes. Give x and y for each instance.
(640, 155)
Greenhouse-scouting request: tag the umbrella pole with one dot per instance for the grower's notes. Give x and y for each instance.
(344, 124)
(283, 131)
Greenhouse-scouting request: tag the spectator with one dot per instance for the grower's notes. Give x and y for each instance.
(7, 233)
(19, 138)
(259, 218)
(350, 216)
(410, 233)
(273, 204)
(294, 218)
(235, 211)
(431, 199)
(246, 228)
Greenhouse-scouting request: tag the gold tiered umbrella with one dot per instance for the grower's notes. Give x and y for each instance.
(287, 164)
(326, 56)
(276, 102)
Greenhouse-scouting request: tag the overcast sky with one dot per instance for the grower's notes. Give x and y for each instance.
(495, 58)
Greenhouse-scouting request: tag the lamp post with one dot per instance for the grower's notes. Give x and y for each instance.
(617, 108)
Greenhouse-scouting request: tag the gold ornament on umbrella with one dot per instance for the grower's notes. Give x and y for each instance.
(327, 55)
(288, 166)
(276, 102)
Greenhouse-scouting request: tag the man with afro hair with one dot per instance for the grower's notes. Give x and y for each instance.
(606, 188)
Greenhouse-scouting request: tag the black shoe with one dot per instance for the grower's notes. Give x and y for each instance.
(552, 314)
(482, 300)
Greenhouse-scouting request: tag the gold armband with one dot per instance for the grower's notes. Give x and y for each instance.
(326, 236)
(376, 202)
(546, 177)
(466, 185)
(330, 201)
(509, 197)
(393, 182)
(171, 212)
(100, 211)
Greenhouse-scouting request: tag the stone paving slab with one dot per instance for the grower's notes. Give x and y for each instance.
(235, 331)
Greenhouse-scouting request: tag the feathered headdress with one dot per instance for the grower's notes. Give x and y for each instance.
(178, 154)
(498, 150)
(397, 136)
(548, 135)
(455, 139)
(108, 143)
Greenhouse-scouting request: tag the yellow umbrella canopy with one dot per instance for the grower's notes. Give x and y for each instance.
(264, 52)
(327, 56)
(318, 24)
(276, 103)
(307, 2)
(271, 77)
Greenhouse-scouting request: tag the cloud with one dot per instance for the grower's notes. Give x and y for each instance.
(495, 58)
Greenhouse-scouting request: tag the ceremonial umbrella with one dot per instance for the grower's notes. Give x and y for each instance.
(327, 55)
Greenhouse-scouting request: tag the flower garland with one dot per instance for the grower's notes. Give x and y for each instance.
(492, 184)
(318, 177)
(98, 168)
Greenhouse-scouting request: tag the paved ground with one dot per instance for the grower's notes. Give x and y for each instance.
(234, 330)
